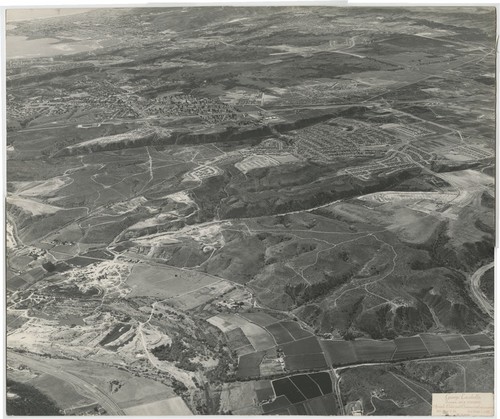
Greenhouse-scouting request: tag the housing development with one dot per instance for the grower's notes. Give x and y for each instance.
(250, 211)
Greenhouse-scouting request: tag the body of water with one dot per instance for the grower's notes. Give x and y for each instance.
(23, 47)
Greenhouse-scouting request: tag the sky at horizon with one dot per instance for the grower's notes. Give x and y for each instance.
(17, 15)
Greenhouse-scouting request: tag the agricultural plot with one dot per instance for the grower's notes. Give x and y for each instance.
(258, 336)
(305, 362)
(237, 339)
(173, 406)
(324, 381)
(479, 339)
(280, 334)
(340, 352)
(260, 318)
(285, 387)
(303, 394)
(15, 283)
(303, 346)
(263, 390)
(373, 350)
(304, 354)
(280, 403)
(15, 320)
(20, 262)
(271, 365)
(435, 344)
(322, 406)
(34, 274)
(295, 330)
(249, 365)
(244, 350)
(410, 348)
(345, 353)
(223, 323)
(306, 385)
(456, 343)
(297, 409)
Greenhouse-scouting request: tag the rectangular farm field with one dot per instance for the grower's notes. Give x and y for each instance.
(324, 381)
(456, 343)
(296, 331)
(373, 350)
(280, 334)
(262, 319)
(435, 344)
(264, 390)
(410, 348)
(244, 350)
(299, 409)
(479, 339)
(284, 387)
(249, 365)
(237, 339)
(306, 385)
(35, 274)
(303, 346)
(340, 352)
(259, 337)
(305, 362)
(322, 406)
(15, 283)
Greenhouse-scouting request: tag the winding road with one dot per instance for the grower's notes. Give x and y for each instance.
(477, 294)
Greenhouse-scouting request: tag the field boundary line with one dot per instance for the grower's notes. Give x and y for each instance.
(419, 396)
(298, 389)
(426, 348)
(314, 381)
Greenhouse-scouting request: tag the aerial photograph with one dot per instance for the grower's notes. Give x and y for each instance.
(248, 210)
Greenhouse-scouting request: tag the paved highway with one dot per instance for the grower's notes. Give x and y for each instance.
(84, 386)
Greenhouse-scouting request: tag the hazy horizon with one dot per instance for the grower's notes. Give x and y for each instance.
(17, 15)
